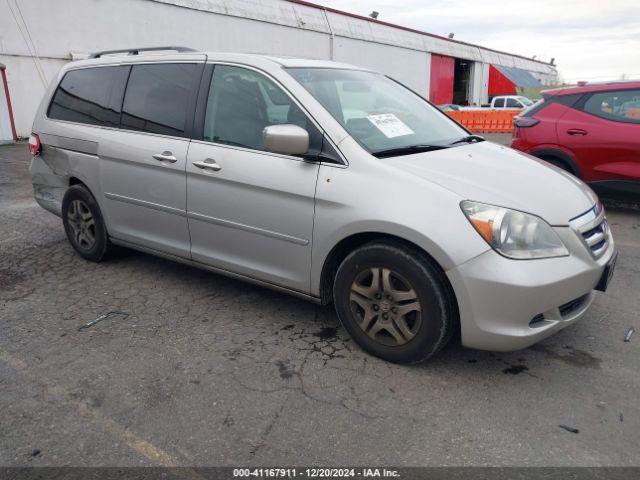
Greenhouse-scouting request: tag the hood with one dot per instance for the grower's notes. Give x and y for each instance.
(497, 175)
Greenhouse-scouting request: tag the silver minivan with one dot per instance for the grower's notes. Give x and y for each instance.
(325, 180)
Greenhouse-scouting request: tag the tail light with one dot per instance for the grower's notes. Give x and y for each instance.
(35, 147)
(523, 122)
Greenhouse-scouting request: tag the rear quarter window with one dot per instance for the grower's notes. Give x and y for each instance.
(157, 98)
(92, 96)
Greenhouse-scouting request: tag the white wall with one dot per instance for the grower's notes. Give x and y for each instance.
(410, 67)
(61, 27)
(106, 25)
(26, 88)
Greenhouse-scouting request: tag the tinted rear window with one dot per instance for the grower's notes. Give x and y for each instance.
(92, 96)
(157, 98)
(619, 106)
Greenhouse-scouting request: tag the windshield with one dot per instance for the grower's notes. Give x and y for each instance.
(379, 113)
(526, 101)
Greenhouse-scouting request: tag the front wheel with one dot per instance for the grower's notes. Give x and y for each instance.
(84, 225)
(394, 302)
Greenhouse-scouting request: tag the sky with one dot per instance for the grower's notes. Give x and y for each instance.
(589, 39)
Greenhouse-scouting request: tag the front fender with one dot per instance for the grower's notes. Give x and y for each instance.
(354, 201)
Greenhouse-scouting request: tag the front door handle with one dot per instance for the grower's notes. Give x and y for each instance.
(166, 156)
(208, 163)
(576, 131)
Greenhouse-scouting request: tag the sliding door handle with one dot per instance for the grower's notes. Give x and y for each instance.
(165, 156)
(208, 164)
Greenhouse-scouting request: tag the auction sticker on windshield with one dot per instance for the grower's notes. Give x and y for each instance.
(390, 125)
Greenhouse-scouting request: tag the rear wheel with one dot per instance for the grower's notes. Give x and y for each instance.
(394, 302)
(84, 225)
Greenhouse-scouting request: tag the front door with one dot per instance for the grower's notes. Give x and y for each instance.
(142, 166)
(251, 211)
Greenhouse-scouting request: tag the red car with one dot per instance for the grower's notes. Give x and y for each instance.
(592, 131)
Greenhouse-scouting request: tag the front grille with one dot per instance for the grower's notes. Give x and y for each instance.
(593, 228)
(596, 238)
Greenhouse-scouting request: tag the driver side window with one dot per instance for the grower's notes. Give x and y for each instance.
(242, 102)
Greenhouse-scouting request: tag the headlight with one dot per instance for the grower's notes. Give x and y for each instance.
(512, 233)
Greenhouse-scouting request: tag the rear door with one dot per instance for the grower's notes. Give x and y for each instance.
(250, 211)
(603, 131)
(142, 165)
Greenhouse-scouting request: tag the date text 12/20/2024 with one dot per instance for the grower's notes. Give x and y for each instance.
(315, 472)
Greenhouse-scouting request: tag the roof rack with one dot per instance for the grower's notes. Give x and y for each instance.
(136, 51)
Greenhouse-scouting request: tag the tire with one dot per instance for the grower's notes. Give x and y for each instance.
(411, 332)
(84, 224)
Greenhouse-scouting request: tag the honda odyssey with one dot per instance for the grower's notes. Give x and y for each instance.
(328, 181)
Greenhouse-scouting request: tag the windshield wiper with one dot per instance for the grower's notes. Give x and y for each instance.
(469, 139)
(395, 152)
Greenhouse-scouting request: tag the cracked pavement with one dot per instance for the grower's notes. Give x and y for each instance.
(205, 370)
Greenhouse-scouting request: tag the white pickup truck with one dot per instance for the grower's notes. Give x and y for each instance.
(500, 102)
(510, 102)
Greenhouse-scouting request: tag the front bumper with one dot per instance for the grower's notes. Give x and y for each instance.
(509, 304)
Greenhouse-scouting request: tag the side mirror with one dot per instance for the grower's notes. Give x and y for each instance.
(287, 139)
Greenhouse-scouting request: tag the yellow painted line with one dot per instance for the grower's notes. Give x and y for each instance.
(107, 424)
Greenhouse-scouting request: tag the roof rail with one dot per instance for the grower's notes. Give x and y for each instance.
(136, 51)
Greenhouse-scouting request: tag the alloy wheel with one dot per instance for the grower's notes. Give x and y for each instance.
(385, 306)
(82, 224)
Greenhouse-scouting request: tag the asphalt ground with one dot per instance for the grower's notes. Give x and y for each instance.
(204, 370)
